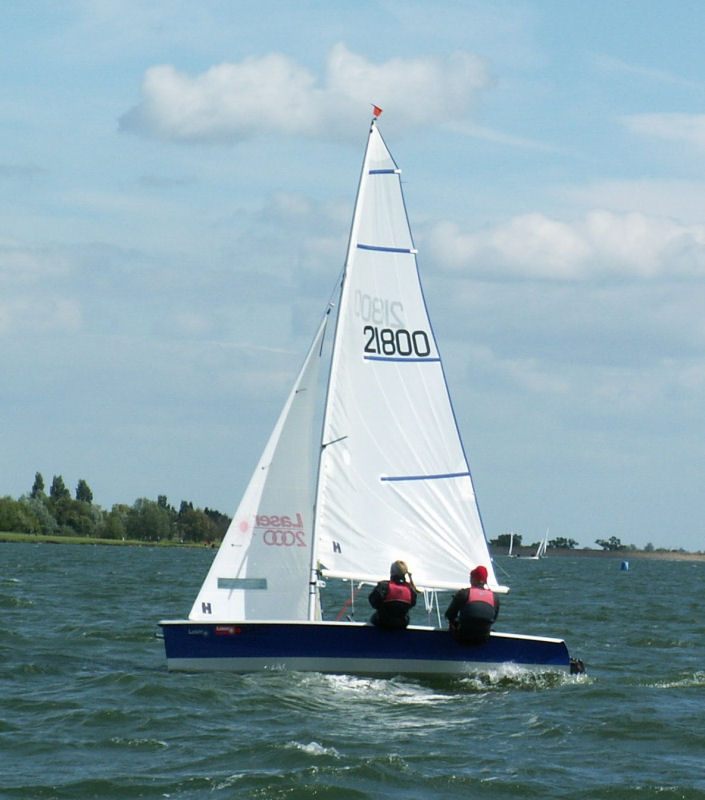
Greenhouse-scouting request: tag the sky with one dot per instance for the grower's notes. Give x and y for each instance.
(176, 186)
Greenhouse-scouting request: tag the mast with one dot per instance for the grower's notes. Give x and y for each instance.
(352, 237)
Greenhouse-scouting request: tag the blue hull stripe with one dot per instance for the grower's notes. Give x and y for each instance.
(439, 477)
(347, 647)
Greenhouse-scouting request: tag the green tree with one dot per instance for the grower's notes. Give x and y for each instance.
(38, 486)
(221, 522)
(114, 523)
(504, 539)
(146, 520)
(162, 502)
(194, 525)
(613, 543)
(83, 492)
(74, 517)
(58, 490)
(38, 506)
(561, 543)
(16, 517)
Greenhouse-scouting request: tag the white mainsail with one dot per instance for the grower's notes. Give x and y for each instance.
(261, 571)
(393, 479)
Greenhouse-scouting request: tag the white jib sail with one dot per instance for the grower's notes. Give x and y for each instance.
(261, 570)
(394, 481)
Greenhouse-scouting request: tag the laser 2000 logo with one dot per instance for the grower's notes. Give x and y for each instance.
(281, 531)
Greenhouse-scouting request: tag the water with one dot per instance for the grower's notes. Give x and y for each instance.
(88, 710)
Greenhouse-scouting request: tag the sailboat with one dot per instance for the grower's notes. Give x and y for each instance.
(386, 478)
(541, 549)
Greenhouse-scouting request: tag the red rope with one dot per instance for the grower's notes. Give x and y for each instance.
(351, 600)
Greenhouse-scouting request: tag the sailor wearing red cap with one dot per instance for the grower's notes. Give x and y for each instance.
(473, 610)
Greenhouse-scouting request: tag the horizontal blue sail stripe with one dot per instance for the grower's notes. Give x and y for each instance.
(440, 477)
(400, 358)
(381, 249)
(383, 172)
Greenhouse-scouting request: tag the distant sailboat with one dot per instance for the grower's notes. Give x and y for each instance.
(388, 479)
(541, 549)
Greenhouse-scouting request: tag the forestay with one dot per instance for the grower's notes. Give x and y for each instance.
(394, 480)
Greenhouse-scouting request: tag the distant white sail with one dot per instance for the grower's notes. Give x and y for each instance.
(543, 546)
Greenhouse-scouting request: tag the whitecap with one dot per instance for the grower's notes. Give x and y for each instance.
(315, 749)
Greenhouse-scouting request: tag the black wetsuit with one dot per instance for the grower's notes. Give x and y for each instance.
(471, 614)
(393, 600)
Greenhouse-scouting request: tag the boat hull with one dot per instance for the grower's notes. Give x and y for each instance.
(344, 647)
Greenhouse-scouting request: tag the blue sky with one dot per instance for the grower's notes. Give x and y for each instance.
(176, 185)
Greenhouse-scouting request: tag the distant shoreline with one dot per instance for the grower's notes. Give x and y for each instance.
(624, 555)
(33, 538)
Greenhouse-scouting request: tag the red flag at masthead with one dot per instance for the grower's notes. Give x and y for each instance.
(376, 110)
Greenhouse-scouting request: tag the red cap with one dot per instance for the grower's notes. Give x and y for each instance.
(479, 574)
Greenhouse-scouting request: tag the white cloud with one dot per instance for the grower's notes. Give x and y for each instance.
(40, 315)
(21, 264)
(678, 199)
(608, 64)
(475, 131)
(419, 89)
(601, 244)
(689, 128)
(234, 101)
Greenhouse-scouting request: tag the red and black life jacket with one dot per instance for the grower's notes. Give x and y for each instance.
(398, 593)
(477, 595)
(478, 613)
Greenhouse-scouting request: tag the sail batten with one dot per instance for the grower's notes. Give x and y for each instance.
(405, 360)
(440, 477)
(381, 249)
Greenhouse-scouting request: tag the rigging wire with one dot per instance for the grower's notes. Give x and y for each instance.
(351, 602)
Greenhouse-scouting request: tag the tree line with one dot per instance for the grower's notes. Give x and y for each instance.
(559, 543)
(59, 514)
(562, 543)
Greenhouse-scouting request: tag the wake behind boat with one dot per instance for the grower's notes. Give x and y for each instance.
(386, 478)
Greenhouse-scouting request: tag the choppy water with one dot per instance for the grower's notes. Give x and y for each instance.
(88, 710)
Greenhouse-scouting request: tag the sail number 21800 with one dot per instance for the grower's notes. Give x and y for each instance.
(396, 342)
